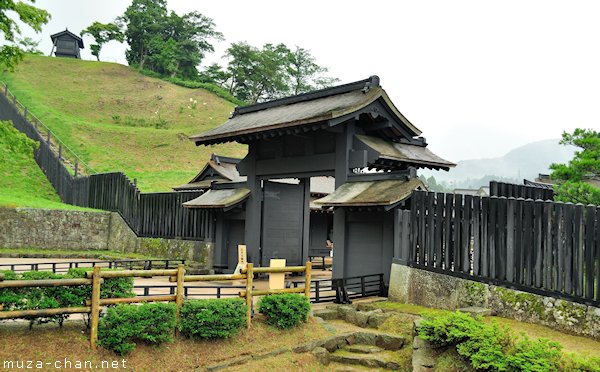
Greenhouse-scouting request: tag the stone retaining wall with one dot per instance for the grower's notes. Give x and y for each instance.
(426, 288)
(91, 230)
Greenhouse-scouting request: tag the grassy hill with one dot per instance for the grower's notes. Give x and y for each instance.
(22, 183)
(119, 120)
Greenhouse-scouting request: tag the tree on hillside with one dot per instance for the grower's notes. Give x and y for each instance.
(102, 34)
(167, 43)
(214, 74)
(576, 178)
(11, 55)
(144, 20)
(28, 45)
(305, 73)
(274, 71)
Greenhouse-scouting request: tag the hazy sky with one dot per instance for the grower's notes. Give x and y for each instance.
(477, 77)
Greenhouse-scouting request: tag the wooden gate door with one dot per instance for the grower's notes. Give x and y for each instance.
(283, 219)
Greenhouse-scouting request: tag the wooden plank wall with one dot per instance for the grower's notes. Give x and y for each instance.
(546, 246)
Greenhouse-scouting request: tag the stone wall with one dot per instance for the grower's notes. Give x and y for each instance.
(426, 288)
(54, 229)
(87, 230)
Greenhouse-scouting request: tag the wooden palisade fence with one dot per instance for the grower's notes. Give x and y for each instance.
(538, 246)
(157, 215)
(520, 191)
(95, 278)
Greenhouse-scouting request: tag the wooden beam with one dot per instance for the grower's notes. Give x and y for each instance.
(135, 273)
(44, 283)
(133, 300)
(287, 269)
(208, 278)
(250, 275)
(296, 164)
(266, 292)
(43, 312)
(95, 310)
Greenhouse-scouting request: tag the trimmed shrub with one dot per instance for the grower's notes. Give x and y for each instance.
(208, 319)
(491, 347)
(124, 325)
(284, 310)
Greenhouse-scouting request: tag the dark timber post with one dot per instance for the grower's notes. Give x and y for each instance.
(253, 226)
(343, 144)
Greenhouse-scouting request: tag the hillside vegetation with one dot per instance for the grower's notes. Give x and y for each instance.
(22, 183)
(119, 120)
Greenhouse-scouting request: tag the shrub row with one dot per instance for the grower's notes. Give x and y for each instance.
(493, 348)
(125, 325)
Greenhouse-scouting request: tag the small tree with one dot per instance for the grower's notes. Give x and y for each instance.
(11, 55)
(575, 177)
(102, 34)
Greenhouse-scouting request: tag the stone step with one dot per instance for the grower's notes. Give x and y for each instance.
(326, 314)
(379, 360)
(363, 349)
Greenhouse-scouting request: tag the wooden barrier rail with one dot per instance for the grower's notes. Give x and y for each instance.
(96, 277)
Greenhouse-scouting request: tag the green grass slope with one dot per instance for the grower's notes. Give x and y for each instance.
(22, 183)
(119, 120)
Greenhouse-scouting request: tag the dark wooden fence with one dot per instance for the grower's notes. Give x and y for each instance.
(520, 191)
(538, 246)
(156, 215)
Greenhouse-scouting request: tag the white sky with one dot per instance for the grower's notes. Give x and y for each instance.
(477, 77)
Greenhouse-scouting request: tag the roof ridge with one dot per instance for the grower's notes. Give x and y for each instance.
(364, 85)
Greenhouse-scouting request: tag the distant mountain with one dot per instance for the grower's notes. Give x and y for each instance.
(522, 162)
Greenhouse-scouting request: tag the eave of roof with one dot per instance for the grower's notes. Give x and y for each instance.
(67, 32)
(407, 153)
(215, 199)
(371, 193)
(319, 107)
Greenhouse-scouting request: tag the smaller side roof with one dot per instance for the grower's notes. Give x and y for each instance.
(219, 199)
(67, 32)
(386, 193)
(224, 168)
(407, 153)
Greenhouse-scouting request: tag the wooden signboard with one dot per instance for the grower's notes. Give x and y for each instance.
(242, 259)
(277, 280)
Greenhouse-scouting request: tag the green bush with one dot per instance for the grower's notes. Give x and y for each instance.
(493, 348)
(111, 288)
(208, 319)
(34, 298)
(124, 325)
(284, 310)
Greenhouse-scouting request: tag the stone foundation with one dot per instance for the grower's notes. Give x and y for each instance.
(426, 288)
(86, 230)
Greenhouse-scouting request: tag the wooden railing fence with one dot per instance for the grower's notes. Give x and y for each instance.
(156, 215)
(95, 278)
(538, 246)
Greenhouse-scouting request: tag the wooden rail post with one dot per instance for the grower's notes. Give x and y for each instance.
(307, 276)
(95, 310)
(180, 289)
(249, 278)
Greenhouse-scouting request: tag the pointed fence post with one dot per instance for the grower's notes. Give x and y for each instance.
(95, 314)
(249, 279)
(76, 169)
